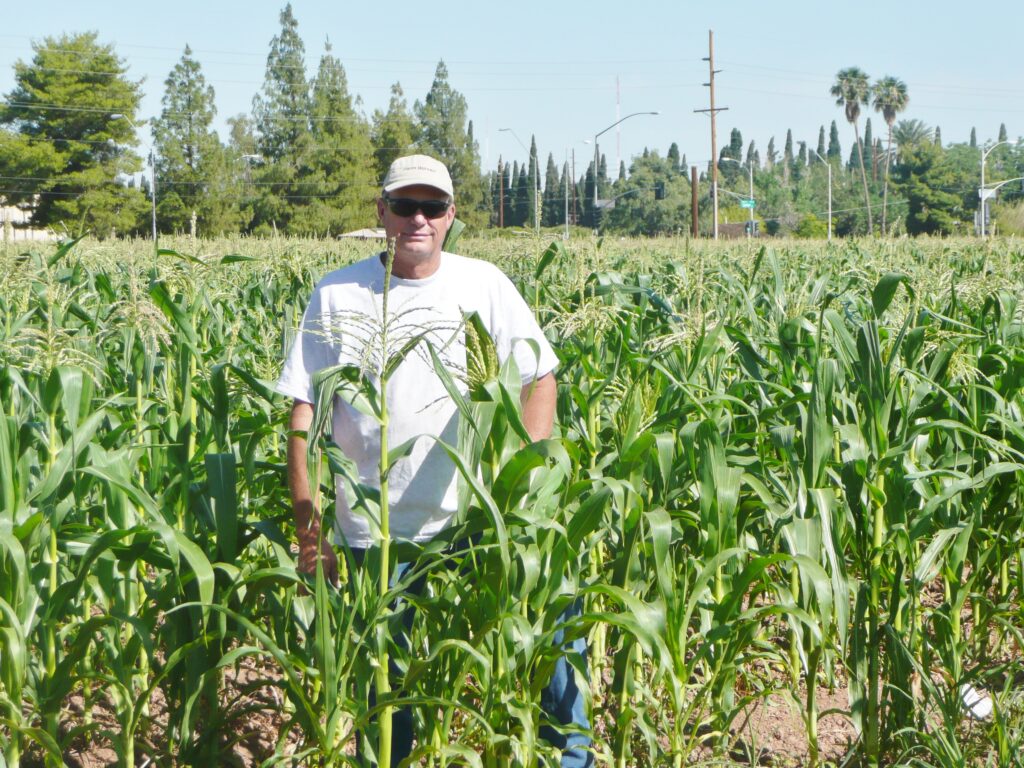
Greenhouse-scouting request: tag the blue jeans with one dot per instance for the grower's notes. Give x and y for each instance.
(561, 700)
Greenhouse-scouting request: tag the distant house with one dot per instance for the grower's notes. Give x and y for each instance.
(16, 224)
(370, 233)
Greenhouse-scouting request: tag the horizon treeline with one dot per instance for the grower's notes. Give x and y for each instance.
(307, 161)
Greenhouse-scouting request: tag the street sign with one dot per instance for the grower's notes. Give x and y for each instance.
(747, 203)
(985, 194)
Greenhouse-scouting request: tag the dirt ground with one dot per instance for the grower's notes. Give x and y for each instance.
(771, 731)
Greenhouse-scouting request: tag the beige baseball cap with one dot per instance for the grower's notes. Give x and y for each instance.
(411, 170)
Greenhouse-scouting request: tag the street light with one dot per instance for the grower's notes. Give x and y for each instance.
(536, 195)
(829, 166)
(750, 165)
(981, 190)
(596, 156)
(152, 165)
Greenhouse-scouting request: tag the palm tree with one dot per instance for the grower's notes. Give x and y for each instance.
(851, 90)
(910, 132)
(890, 98)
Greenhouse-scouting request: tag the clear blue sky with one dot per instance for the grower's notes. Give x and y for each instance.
(550, 68)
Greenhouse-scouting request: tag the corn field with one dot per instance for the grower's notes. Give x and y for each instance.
(779, 472)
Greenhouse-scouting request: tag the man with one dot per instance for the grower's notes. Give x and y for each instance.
(430, 293)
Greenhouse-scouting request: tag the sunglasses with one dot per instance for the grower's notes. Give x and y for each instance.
(406, 206)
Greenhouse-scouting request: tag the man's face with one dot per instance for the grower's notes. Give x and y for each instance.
(417, 238)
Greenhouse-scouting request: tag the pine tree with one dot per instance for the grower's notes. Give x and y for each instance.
(189, 168)
(835, 150)
(445, 132)
(336, 164)
(393, 131)
(281, 112)
(68, 161)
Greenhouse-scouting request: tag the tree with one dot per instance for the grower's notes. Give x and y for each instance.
(835, 151)
(908, 133)
(336, 165)
(652, 200)
(890, 98)
(927, 176)
(445, 131)
(71, 162)
(821, 141)
(974, 138)
(1003, 135)
(870, 144)
(787, 156)
(770, 154)
(190, 167)
(554, 200)
(851, 91)
(393, 132)
(674, 159)
(281, 112)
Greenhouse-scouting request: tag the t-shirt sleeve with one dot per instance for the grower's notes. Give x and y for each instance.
(310, 352)
(517, 333)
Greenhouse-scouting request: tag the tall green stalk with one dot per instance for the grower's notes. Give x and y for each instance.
(382, 675)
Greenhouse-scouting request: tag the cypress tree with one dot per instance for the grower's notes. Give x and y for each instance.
(787, 155)
(770, 154)
(751, 153)
(835, 150)
(1002, 132)
(974, 138)
(622, 170)
(938, 136)
(524, 212)
(673, 157)
(821, 140)
(533, 172)
(554, 203)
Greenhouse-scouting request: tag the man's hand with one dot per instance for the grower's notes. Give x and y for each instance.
(307, 516)
(308, 555)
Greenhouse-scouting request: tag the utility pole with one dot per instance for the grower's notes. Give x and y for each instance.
(693, 201)
(713, 112)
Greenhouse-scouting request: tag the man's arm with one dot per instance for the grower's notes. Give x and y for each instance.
(538, 399)
(307, 516)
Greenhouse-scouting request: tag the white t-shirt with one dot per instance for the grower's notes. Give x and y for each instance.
(341, 325)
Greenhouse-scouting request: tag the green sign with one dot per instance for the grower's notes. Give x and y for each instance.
(745, 203)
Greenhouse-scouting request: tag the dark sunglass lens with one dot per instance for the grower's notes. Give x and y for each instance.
(404, 206)
(433, 208)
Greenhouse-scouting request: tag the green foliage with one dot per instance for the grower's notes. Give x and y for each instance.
(281, 111)
(194, 176)
(336, 167)
(446, 133)
(811, 226)
(393, 131)
(926, 176)
(73, 159)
